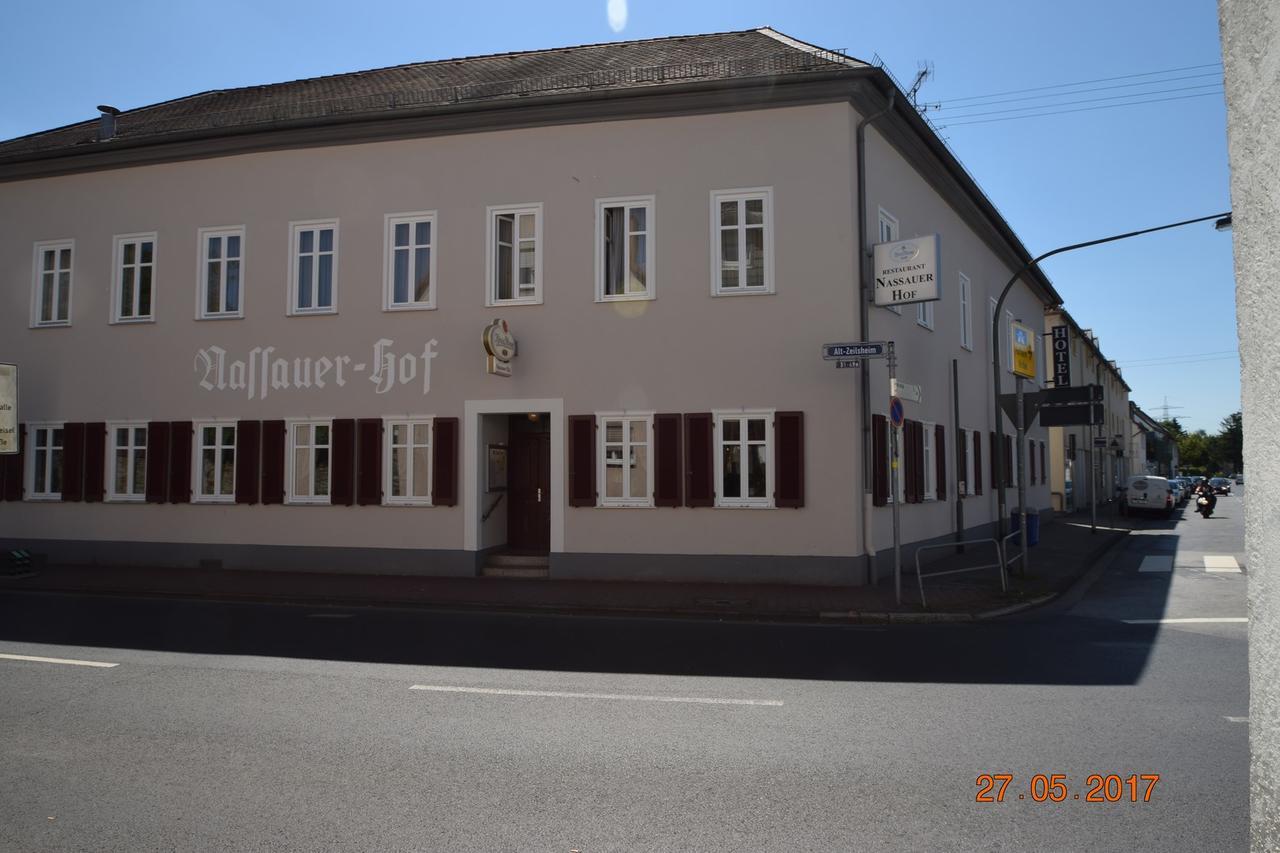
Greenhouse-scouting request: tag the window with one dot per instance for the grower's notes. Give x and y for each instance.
(127, 478)
(309, 462)
(930, 464)
(744, 450)
(133, 278)
(966, 313)
(897, 493)
(313, 279)
(924, 315)
(410, 263)
(889, 234)
(624, 249)
(515, 255)
(221, 273)
(626, 468)
(51, 284)
(742, 241)
(215, 462)
(408, 462)
(46, 462)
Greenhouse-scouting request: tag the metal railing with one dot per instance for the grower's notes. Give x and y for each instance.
(1004, 548)
(999, 564)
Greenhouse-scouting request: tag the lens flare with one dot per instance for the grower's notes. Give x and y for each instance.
(617, 12)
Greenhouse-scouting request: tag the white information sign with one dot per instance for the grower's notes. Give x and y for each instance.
(906, 271)
(8, 408)
(906, 391)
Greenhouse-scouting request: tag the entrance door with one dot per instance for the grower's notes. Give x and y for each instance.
(529, 485)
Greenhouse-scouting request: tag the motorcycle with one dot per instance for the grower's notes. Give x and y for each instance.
(1204, 506)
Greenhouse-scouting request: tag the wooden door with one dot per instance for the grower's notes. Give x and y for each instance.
(529, 492)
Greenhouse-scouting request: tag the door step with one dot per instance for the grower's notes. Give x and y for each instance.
(516, 566)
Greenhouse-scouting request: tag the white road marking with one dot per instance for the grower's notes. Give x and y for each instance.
(1200, 620)
(556, 694)
(34, 659)
(1236, 719)
(1220, 564)
(1156, 563)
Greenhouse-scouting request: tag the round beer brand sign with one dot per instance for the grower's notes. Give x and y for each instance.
(498, 340)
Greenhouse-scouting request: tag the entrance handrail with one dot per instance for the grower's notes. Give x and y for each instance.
(1000, 564)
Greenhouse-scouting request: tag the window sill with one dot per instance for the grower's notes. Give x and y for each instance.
(236, 316)
(52, 324)
(409, 306)
(44, 499)
(307, 501)
(744, 505)
(312, 312)
(125, 499)
(628, 297)
(412, 502)
(213, 499)
(620, 504)
(511, 303)
(744, 291)
(924, 325)
(132, 321)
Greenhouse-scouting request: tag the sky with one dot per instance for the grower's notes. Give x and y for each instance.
(1162, 305)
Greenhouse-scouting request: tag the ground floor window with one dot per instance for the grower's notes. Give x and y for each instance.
(46, 462)
(216, 462)
(408, 475)
(744, 448)
(128, 480)
(626, 460)
(309, 462)
(928, 434)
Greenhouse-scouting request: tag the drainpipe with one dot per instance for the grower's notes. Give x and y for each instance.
(864, 327)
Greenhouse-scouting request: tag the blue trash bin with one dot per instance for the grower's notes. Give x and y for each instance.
(1033, 526)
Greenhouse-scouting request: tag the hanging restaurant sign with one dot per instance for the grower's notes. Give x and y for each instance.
(906, 271)
(500, 347)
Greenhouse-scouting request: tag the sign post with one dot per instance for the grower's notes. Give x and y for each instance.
(8, 409)
(1021, 425)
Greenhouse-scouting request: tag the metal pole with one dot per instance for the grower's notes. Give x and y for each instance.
(893, 486)
(961, 474)
(1093, 490)
(1022, 476)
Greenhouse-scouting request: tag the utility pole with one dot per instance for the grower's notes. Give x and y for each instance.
(894, 474)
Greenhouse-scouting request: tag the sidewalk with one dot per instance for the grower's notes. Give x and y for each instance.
(1066, 551)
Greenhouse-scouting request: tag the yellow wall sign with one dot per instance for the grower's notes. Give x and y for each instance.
(1024, 350)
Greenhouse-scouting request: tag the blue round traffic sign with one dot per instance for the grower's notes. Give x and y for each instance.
(895, 411)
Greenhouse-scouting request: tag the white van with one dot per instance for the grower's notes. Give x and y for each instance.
(1144, 493)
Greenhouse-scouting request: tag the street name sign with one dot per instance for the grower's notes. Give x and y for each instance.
(854, 349)
(905, 390)
(8, 408)
(906, 271)
(849, 362)
(1061, 357)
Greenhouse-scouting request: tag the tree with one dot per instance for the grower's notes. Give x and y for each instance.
(1231, 442)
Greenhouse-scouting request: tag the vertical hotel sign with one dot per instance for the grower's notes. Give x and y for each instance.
(1061, 358)
(8, 408)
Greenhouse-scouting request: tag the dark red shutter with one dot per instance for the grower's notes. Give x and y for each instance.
(940, 457)
(668, 472)
(342, 462)
(444, 463)
(12, 467)
(157, 462)
(1031, 461)
(995, 461)
(582, 460)
(1044, 473)
(879, 461)
(919, 454)
(273, 450)
(910, 463)
(248, 448)
(1008, 460)
(369, 461)
(73, 462)
(95, 462)
(788, 458)
(977, 462)
(180, 433)
(962, 462)
(700, 471)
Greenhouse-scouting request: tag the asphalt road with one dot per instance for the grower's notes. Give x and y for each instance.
(256, 727)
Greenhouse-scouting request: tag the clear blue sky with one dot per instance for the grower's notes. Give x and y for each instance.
(1057, 179)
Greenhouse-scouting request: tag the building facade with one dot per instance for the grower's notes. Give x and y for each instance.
(270, 328)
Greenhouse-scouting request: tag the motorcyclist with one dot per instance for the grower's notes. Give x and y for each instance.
(1204, 490)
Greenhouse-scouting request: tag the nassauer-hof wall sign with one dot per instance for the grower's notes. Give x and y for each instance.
(8, 408)
(906, 271)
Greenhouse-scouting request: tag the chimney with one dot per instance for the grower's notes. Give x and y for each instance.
(107, 122)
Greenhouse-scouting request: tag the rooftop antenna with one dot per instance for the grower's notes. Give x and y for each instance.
(923, 73)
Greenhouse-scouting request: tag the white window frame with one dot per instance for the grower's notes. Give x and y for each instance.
(197, 461)
(741, 196)
(30, 476)
(966, 312)
(37, 275)
(626, 203)
(296, 228)
(291, 497)
(387, 436)
(887, 229)
(929, 460)
(391, 220)
(491, 250)
(970, 470)
(117, 269)
(924, 315)
(110, 473)
(601, 464)
(202, 269)
(718, 418)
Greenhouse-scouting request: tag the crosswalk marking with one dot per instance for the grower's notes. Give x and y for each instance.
(1220, 563)
(1156, 563)
(1200, 620)
(65, 661)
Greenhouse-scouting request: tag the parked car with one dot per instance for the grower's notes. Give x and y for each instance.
(1239, 479)
(1179, 491)
(1221, 485)
(1143, 493)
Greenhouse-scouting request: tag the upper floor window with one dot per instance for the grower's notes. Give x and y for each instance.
(221, 273)
(51, 283)
(128, 481)
(744, 450)
(408, 462)
(215, 462)
(624, 248)
(742, 241)
(46, 462)
(133, 278)
(966, 312)
(626, 468)
(888, 232)
(924, 314)
(515, 255)
(313, 279)
(410, 261)
(309, 444)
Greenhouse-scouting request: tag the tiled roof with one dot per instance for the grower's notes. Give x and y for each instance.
(500, 77)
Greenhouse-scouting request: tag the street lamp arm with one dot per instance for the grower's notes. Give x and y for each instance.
(997, 456)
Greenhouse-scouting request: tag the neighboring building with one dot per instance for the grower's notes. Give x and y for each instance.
(248, 322)
(1152, 449)
(1074, 459)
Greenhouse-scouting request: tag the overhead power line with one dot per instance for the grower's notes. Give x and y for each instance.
(1088, 82)
(984, 102)
(1079, 110)
(1183, 363)
(1180, 355)
(1131, 95)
